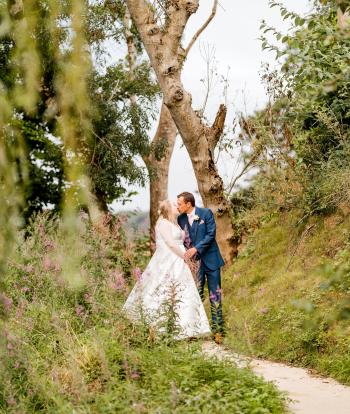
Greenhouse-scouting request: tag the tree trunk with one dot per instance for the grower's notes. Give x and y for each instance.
(101, 203)
(167, 56)
(158, 169)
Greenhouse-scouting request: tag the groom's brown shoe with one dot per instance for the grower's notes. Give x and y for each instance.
(218, 338)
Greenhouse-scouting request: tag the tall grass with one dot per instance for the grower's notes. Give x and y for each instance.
(71, 349)
(288, 292)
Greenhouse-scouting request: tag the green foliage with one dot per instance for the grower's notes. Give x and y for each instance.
(72, 349)
(45, 175)
(107, 130)
(316, 71)
(289, 289)
(286, 296)
(141, 246)
(119, 130)
(300, 141)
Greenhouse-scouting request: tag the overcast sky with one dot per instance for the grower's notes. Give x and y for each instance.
(233, 35)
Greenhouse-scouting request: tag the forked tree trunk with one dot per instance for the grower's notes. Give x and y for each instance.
(158, 168)
(163, 45)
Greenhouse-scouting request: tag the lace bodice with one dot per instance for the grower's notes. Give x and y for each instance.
(171, 235)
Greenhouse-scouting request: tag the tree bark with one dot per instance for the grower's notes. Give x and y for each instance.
(163, 45)
(100, 199)
(158, 169)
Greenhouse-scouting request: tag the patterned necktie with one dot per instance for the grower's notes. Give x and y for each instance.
(187, 238)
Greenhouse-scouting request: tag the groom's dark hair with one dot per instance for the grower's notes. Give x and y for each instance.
(188, 198)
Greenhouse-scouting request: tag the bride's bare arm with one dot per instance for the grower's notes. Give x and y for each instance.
(166, 231)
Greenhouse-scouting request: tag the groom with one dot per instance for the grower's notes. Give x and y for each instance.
(201, 227)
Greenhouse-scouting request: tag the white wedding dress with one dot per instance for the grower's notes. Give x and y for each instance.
(166, 274)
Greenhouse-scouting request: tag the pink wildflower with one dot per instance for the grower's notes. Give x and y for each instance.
(57, 267)
(87, 297)
(29, 268)
(118, 285)
(49, 244)
(6, 302)
(117, 281)
(134, 375)
(47, 263)
(79, 310)
(83, 215)
(20, 308)
(137, 272)
(11, 401)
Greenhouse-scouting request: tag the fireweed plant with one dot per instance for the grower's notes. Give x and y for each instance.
(71, 348)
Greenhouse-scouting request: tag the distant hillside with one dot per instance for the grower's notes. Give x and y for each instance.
(137, 222)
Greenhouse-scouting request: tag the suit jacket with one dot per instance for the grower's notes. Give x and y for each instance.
(202, 234)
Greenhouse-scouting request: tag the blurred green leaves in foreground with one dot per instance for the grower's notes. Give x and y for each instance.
(69, 136)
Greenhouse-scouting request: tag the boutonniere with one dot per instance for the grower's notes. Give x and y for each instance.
(196, 218)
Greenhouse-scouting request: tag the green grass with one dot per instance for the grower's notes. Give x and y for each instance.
(68, 348)
(274, 302)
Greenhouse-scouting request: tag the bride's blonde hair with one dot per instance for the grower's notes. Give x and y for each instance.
(166, 210)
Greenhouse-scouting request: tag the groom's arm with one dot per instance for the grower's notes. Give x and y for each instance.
(203, 245)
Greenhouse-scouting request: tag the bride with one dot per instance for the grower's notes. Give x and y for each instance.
(167, 275)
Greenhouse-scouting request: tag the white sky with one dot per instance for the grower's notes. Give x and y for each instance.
(233, 34)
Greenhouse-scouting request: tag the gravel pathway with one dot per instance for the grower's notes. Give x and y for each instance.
(309, 394)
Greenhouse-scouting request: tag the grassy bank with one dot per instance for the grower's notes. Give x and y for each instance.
(67, 347)
(287, 294)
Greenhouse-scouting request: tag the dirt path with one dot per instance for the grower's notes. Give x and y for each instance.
(309, 394)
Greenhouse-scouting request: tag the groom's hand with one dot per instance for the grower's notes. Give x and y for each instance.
(190, 253)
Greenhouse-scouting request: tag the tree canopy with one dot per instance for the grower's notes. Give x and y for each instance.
(117, 133)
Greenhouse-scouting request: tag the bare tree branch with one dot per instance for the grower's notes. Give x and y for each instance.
(209, 58)
(132, 53)
(114, 92)
(202, 28)
(244, 170)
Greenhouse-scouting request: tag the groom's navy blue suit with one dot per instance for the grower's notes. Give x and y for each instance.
(202, 234)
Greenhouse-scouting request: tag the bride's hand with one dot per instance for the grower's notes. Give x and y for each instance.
(190, 253)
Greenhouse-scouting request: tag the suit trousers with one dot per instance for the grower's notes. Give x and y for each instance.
(214, 287)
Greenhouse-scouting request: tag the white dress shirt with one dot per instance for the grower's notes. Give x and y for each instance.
(191, 216)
